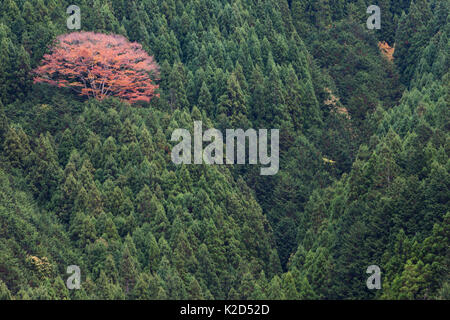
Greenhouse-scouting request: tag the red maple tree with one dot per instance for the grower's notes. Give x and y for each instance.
(99, 65)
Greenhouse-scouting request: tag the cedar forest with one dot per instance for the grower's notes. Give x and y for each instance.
(87, 179)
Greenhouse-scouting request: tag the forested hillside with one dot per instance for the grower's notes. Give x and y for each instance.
(363, 178)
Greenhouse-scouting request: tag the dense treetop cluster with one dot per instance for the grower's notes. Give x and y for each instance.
(364, 154)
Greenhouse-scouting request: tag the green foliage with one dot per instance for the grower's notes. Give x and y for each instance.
(364, 163)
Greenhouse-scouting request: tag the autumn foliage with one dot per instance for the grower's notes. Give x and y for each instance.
(99, 65)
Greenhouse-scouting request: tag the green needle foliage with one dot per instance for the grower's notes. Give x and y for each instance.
(364, 154)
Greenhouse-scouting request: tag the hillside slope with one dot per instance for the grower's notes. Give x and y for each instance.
(364, 154)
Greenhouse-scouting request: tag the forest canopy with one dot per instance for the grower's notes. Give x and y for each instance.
(87, 179)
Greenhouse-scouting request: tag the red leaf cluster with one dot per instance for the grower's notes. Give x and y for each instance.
(99, 65)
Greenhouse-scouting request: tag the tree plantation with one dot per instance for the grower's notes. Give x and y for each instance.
(358, 173)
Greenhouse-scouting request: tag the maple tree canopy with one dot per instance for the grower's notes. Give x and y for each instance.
(100, 65)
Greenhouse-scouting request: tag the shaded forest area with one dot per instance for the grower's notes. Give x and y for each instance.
(364, 154)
